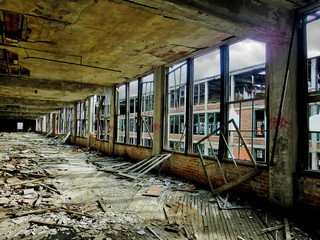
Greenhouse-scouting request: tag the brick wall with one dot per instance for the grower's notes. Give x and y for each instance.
(189, 167)
(309, 192)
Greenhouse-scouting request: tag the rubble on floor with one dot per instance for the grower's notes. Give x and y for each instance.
(58, 192)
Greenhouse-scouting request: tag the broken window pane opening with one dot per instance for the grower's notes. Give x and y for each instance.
(176, 83)
(147, 110)
(313, 78)
(121, 113)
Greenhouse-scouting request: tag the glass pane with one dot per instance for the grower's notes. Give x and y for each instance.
(313, 50)
(247, 70)
(147, 110)
(314, 135)
(313, 36)
(121, 114)
(133, 98)
(259, 137)
(314, 116)
(206, 108)
(314, 151)
(177, 78)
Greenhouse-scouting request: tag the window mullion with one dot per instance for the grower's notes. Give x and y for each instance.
(189, 105)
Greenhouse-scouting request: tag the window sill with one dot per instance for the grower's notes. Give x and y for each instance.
(310, 173)
(261, 165)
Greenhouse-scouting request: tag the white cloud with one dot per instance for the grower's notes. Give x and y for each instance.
(247, 53)
(242, 54)
(313, 38)
(207, 65)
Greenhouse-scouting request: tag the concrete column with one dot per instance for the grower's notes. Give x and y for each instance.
(159, 87)
(281, 174)
(112, 123)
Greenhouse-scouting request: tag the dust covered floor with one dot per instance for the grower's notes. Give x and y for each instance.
(50, 191)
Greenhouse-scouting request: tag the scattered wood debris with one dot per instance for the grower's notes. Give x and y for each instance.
(53, 192)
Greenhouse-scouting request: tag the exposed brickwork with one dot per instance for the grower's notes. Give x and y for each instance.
(309, 192)
(189, 167)
(81, 141)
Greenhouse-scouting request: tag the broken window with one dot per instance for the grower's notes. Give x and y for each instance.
(133, 114)
(198, 124)
(206, 100)
(313, 77)
(101, 117)
(147, 110)
(213, 151)
(69, 120)
(246, 103)
(259, 123)
(174, 145)
(121, 113)
(198, 94)
(176, 85)
(259, 154)
(213, 121)
(201, 146)
(82, 120)
(176, 124)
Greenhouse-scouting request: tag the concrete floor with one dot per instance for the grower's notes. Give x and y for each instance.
(81, 178)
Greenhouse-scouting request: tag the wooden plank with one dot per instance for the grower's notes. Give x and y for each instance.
(39, 211)
(150, 228)
(51, 224)
(50, 188)
(38, 201)
(235, 182)
(154, 191)
(170, 221)
(78, 213)
(159, 214)
(287, 228)
(246, 226)
(104, 208)
(229, 221)
(222, 223)
(188, 222)
(212, 225)
(206, 221)
(270, 229)
(262, 224)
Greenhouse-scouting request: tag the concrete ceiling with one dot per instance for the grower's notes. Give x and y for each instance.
(61, 51)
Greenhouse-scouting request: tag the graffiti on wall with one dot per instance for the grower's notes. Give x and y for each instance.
(284, 124)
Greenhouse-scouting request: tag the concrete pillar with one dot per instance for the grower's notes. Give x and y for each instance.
(112, 123)
(281, 174)
(159, 87)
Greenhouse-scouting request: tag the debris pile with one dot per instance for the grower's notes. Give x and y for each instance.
(59, 192)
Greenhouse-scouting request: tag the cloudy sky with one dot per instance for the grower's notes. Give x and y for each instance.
(242, 54)
(313, 38)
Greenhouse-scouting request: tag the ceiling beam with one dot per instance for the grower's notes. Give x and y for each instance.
(246, 18)
(20, 115)
(19, 118)
(62, 86)
(33, 103)
(24, 110)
